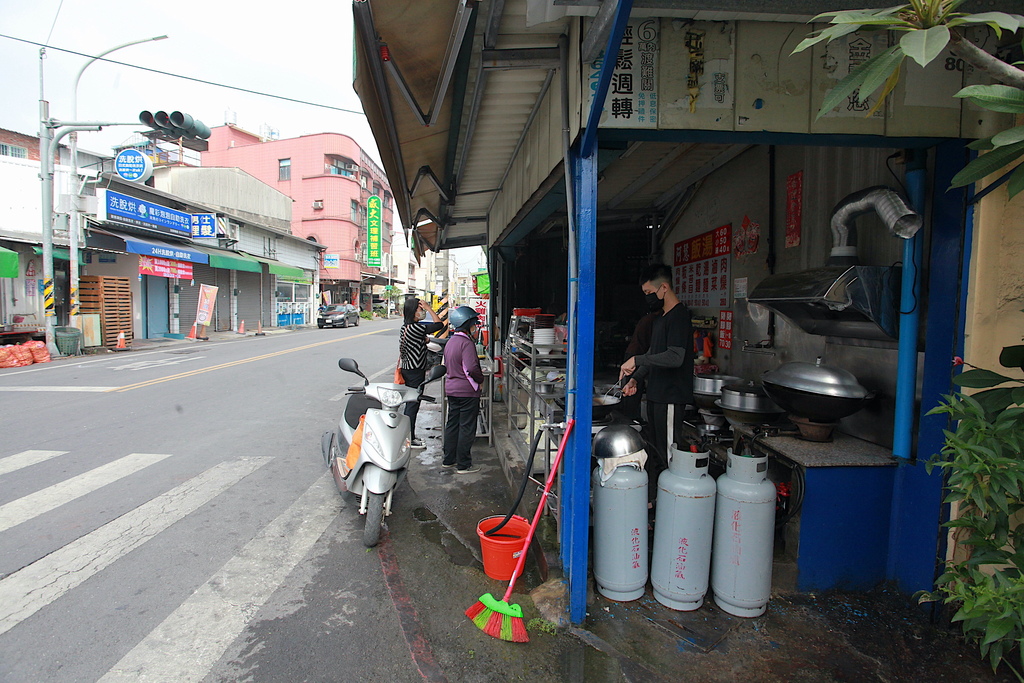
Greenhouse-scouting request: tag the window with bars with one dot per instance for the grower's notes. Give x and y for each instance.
(13, 151)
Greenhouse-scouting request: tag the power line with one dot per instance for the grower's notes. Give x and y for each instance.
(186, 78)
(54, 24)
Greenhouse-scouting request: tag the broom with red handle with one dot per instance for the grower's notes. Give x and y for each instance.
(497, 618)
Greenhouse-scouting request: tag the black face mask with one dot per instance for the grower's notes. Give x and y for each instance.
(653, 302)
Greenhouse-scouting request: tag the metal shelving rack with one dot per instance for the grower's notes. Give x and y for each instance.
(527, 365)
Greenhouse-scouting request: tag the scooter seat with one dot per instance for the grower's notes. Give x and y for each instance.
(357, 405)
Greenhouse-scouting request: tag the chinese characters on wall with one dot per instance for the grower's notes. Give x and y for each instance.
(701, 267)
(632, 100)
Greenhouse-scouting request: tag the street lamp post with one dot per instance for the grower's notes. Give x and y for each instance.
(74, 221)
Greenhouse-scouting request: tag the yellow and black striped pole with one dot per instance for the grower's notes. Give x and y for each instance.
(442, 313)
(48, 299)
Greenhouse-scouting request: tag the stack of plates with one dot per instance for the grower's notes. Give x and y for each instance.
(544, 336)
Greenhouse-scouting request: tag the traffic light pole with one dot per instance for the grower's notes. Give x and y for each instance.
(51, 132)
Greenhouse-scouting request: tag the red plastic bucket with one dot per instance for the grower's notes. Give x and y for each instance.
(501, 551)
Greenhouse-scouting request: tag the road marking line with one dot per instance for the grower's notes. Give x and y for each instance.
(35, 586)
(26, 459)
(193, 638)
(44, 500)
(56, 388)
(199, 371)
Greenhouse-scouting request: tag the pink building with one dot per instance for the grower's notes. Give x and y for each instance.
(329, 178)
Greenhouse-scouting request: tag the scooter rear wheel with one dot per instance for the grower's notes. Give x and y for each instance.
(374, 519)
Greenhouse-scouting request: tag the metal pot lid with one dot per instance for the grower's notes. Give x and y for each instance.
(750, 388)
(815, 378)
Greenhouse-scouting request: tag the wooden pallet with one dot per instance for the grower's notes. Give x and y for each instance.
(111, 297)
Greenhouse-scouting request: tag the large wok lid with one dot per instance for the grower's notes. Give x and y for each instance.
(815, 378)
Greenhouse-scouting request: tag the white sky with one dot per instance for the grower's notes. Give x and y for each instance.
(301, 50)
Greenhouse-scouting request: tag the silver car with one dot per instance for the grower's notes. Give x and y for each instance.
(338, 315)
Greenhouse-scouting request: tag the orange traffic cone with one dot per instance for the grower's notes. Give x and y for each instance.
(259, 328)
(120, 341)
(241, 327)
(191, 333)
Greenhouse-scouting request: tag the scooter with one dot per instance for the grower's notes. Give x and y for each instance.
(382, 440)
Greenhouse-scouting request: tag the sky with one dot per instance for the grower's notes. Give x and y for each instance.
(300, 50)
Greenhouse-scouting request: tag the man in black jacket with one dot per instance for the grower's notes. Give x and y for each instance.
(667, 366)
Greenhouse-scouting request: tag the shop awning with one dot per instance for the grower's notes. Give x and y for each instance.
(58, 253)
(147, 247)
(8, 263)
(232, 260)
(278, 268)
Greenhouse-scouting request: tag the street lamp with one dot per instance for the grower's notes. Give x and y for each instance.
(73, 216)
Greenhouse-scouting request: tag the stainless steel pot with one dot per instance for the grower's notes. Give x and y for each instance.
(818, 392)
(708, 388)
(749, 397)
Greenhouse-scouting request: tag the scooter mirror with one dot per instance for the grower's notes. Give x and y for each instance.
(436, 372)
(349, 365)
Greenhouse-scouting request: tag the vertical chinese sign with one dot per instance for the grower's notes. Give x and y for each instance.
(701, 268)
(725, 329)
(632, 100)
(794, 208)
(373, 237)
(204, 311)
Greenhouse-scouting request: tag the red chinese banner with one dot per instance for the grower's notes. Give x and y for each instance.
(162, 267)
(794, 208)
(725, 330)
(207, 298)
(701, 268)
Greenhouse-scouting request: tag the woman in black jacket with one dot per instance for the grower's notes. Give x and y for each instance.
(412, 352)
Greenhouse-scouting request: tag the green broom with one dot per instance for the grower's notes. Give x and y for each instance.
(497, 618)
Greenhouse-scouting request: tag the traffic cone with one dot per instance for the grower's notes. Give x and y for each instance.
(120, 341)
(241, 327)
(191, 333)
(259, 328)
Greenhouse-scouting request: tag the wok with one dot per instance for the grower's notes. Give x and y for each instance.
(603, 405)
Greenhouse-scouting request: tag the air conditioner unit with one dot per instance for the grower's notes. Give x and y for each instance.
(352, 167)
(318, 203)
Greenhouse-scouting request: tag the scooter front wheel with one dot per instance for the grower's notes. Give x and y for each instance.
(374, 519)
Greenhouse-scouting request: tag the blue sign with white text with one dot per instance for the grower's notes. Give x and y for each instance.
(115, 207)
(204, 225)
(131, 164)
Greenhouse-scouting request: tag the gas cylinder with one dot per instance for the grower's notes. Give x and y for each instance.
(620, 533)
(682, 534)
(741, 560)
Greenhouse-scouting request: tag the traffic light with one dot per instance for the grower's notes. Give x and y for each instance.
(176, 125)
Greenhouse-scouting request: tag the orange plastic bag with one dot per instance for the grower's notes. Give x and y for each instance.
(39, 352)
(356, 446)
(7, 359)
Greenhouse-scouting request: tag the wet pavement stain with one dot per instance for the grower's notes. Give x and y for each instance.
(436, 533)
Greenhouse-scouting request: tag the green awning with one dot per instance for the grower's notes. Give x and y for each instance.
(62, 254)
(231, 260)
(278, 268)
(8, 263)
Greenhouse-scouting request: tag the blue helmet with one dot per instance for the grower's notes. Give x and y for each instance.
(461, 316)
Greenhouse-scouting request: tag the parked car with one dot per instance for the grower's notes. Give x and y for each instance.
(338, 315)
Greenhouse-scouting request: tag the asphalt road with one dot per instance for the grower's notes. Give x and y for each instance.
(165, 513)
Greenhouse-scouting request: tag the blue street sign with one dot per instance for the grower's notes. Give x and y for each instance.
(131, 164)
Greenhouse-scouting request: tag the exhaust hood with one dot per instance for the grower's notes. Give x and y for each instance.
(845, 299)
(839, 301)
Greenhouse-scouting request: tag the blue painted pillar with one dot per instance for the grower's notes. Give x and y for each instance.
(576, 475)
(916, 538)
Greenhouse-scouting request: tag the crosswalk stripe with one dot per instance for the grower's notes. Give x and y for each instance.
(31, 588)
(35, 504)
(26, 459)
(191, 640)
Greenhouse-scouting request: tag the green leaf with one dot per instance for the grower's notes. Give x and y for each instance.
(998, 20)
(1016, 184)
(1012, 356)
(1018, 396)
(996, 97)
(875, 70)
(982, 145)
(829, 34)
(979, 379)
(1010, 136)
(995, 400)
(924, 46)
(987, 164)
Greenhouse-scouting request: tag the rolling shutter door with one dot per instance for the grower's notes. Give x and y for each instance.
(188, 294)
(249, 298)
(222, 313)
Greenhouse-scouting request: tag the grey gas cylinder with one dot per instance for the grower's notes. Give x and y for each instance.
(741, 559)
(620, 533)
(683, 531)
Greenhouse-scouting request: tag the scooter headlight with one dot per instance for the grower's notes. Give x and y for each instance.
(392, 398)
(371, 438)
